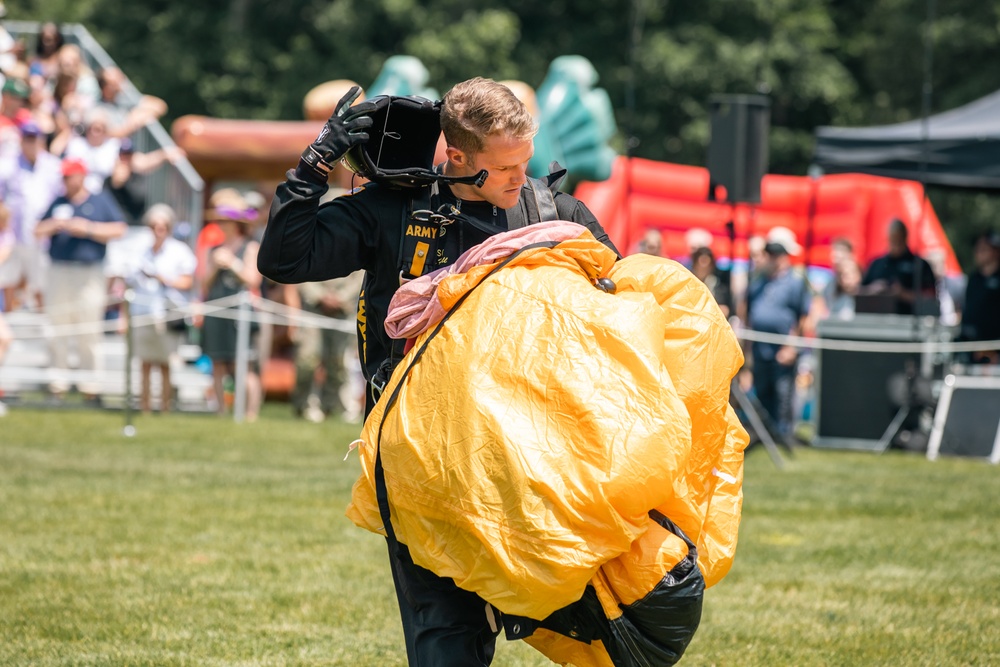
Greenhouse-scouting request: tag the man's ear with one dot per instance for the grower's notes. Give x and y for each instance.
(458, 157)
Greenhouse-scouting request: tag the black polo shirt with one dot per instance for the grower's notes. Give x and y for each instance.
(981, 313)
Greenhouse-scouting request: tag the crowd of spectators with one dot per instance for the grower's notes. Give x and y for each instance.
(774, 295)
(62, 123)
(70, 183)
(54, 107)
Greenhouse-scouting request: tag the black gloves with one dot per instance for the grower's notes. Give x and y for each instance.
(345, 129)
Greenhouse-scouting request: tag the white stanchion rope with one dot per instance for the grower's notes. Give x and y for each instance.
(266, 311)
(900, 347)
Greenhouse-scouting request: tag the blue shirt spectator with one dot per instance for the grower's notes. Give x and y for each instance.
(778, 301)
(79, 224)
(64, 246)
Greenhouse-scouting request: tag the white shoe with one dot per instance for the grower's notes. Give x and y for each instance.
(313, 414)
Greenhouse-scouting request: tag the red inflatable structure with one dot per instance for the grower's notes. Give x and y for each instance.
(673, 198)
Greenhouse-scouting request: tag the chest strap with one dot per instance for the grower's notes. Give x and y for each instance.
(423, 227)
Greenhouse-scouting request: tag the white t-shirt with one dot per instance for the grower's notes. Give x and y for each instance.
(100, 159)
(175, 259)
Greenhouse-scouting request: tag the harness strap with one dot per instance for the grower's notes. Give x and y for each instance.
(538, 207)
(419, 237)
(420, 234)
(422, 229)
(545, 201)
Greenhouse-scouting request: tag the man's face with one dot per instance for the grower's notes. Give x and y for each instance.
(29, 147)
(506, 159)
(73, 183)
(773, 263)
(985, 255)
(112, 85)
(11, 104)
(652, 244)
(897, 242)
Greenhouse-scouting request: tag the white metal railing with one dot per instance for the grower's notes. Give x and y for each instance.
(26, 366)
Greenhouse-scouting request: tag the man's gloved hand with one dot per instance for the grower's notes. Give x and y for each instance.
(345, 129)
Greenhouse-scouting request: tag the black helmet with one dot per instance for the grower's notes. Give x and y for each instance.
(401, 144)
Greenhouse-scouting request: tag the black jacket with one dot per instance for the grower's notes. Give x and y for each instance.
(307, 242)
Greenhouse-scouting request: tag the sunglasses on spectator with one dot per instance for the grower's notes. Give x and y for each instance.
(234, 214)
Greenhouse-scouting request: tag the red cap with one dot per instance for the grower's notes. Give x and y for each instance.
(73, 165)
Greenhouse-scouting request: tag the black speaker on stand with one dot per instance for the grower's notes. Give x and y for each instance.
(737, 160)
(737, 149)
(737, 155)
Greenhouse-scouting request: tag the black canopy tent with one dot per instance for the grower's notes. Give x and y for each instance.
(962, 148)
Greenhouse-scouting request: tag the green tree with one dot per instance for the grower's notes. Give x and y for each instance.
(850, 62)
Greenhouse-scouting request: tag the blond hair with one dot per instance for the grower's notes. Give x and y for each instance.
(478, 108)
(160, 211)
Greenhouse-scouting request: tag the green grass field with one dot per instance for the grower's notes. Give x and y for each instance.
(203, 542)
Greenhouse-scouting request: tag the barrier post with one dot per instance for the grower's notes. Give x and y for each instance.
(242, 358)
(129, 430)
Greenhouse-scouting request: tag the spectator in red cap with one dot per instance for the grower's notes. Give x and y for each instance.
(79, 225)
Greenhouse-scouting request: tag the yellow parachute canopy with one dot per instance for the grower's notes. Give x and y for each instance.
(529, 436)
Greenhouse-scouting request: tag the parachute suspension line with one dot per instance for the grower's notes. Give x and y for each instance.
(381, 143)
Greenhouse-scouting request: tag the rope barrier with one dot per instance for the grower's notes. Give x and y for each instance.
(896, 347)
(266, 311)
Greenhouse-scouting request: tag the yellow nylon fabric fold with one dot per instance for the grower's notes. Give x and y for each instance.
(702, 355)
(546, 418)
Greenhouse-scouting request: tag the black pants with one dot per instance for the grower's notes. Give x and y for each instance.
(774, 385)
(444, 626)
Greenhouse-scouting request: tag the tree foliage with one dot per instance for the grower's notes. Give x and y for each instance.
(850, 62)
